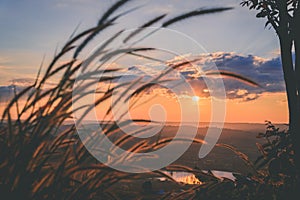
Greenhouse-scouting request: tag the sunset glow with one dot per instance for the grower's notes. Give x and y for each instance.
(254, 56)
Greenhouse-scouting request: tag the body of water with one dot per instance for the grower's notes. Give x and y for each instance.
(190, 178)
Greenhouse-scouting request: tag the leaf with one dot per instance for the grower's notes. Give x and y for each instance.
(261, 149)
(234, 76)
(194, 13)
(109, 55)
(262, 14)
(267, 23)
(149, 23)
(111, 10)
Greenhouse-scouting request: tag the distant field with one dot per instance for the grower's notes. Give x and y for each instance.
(221, 158)
(241, 136)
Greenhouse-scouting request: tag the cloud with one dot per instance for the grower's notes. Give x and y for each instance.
(4, 60)
(267, 72)
(22, 81)
(8, 92)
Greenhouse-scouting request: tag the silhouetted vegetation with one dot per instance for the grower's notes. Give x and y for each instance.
(42, 158)
(275, 175)
(284, 17)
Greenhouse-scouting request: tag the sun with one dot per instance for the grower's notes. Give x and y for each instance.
(195, 98)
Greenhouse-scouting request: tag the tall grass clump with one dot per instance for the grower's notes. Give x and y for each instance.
(41, 157)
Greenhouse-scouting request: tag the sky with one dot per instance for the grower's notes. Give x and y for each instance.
(234, 40)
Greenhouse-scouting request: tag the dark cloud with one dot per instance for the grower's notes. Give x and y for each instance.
(266, 72)
(8, 92)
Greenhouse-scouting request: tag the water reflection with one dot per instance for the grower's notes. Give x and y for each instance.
(223, 174)
(184, 177)
(190, 178)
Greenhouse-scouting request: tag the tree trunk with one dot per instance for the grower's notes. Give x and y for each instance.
(290, 80)
(296, 37)
(286, 44)
(287, 32)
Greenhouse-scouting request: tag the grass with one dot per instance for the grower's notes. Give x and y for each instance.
(42, 158)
